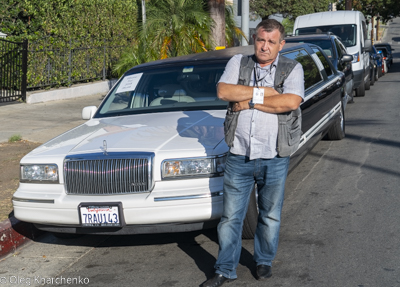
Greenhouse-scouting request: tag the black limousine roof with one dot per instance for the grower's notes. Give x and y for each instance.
(311, 36)
(219, 55)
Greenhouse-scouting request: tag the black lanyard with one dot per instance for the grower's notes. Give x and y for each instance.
(256, 80)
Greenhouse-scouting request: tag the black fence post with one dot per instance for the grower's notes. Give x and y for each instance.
(69, 63)
(104, 61)
(24, 69)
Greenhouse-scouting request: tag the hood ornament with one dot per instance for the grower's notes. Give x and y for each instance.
(105, 147)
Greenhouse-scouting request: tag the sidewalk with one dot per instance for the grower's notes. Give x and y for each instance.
(37, 122)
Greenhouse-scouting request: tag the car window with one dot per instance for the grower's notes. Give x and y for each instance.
(384, 51)
(166, 88)
(325, 44)
(312, 75)
(347, 33)
(339, 51)
(324, 62)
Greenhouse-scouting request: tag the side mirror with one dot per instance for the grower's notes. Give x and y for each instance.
(346, 58)
(367, 46)
(88, 112)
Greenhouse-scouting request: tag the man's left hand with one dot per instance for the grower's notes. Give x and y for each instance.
(239, 106)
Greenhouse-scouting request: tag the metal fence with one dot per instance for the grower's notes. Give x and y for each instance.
(13, 70)
(54, 62)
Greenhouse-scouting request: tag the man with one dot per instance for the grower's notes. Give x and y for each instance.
(256, 154)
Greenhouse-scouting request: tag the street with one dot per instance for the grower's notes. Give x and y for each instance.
(340, 221)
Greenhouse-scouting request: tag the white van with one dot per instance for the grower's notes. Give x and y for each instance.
(350, 26)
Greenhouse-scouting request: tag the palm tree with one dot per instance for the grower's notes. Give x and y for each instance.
(177, 27)
(173, 28)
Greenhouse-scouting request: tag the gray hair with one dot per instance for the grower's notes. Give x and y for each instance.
(270, 25)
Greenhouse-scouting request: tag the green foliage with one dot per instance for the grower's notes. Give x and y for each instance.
(15, 138)
(174, 28)
(386, 9)
(292, 8)
(289, 25)
(69, 40)
(232, 32)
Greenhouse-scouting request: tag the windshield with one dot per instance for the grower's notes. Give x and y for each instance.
(347, 33)
(166, 88)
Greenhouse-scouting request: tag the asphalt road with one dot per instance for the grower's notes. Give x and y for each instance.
(340, 221)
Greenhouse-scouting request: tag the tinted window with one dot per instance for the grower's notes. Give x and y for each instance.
(312, 75)
(324, 62)
(326, 45)
(347, 33)
(165, 88)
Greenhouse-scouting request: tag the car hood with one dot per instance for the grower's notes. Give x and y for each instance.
(199, 131)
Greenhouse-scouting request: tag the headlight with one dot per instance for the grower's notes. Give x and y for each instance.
(193, 167)
(356, 57)
(39, 173)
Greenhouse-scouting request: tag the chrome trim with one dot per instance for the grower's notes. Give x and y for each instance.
(111, 174)
(33, 200)
(314, 129)
(184, 197)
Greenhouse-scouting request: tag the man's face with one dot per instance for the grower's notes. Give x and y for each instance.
(267, 46)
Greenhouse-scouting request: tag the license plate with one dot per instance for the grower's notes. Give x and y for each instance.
(100, 216)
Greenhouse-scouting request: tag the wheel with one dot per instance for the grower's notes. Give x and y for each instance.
(372, 81)
(360, 92)
(368, 85)
(251, 219)
(337, 130)
(377, 74)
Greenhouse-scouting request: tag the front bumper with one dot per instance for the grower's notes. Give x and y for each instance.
(172, 206)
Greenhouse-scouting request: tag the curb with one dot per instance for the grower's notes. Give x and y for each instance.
(15, 233)
(75, 91)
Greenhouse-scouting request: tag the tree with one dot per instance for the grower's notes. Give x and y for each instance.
(288, 8)
(176, 27)
(217, 13)
(386, 9)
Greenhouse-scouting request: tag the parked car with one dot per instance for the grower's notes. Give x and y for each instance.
(336, 52)
(389, 50)
(351, 27)
(387, 56)
(150, 158)
(378, 61)
(373, 63)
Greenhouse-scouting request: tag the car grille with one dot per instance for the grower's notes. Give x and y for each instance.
(107, 174)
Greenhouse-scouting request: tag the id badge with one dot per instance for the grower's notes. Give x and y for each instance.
(258, 96)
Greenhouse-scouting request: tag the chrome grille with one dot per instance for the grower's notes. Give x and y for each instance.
(106, 174)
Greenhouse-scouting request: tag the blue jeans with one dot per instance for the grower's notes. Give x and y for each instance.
(239, 178)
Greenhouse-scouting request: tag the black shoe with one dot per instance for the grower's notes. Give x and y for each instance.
(263, 272)
(216, 281)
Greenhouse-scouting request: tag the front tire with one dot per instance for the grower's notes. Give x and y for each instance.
(360, 92)
(337, 131)
(367, 85)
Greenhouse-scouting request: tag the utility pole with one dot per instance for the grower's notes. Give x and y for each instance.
(372, 29)
(144, 12)
(245, 21)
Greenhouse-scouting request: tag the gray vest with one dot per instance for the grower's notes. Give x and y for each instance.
(289, 129)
